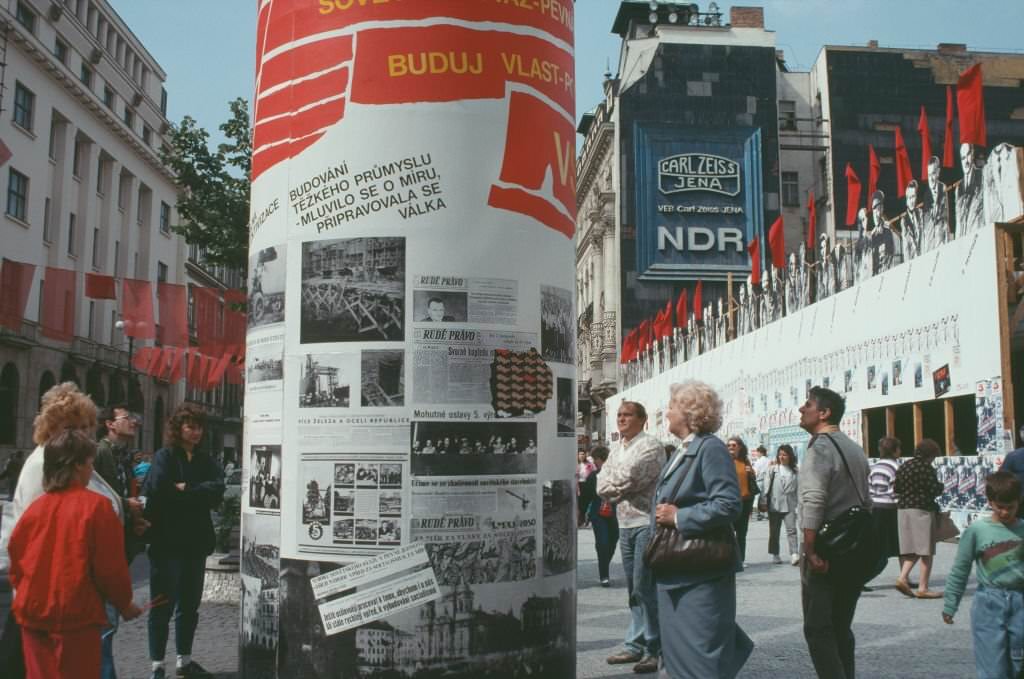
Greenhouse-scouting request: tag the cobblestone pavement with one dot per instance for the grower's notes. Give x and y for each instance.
(896, 636)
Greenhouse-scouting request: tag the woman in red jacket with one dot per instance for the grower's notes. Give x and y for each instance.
(67, 558)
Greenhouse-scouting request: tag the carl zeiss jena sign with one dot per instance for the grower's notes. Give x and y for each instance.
(699, 172)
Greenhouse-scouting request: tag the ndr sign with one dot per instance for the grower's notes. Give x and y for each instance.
(697, 200)
(699, 172)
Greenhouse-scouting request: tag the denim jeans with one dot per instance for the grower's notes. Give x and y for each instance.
(997, 625)
(180, 580)
(107, 670)
(606, 537)
(643, 635)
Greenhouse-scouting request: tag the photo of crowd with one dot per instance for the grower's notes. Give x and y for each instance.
(469, 448)
(265, 477)
(559, 527)
(556, 323)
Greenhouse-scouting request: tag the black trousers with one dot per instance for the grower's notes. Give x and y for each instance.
(741, 525)
(829, 605)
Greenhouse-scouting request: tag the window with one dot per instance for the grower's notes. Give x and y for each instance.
(76, 160)
(26, 17)
(24, 106)
(117, 256)
(92, 319)
(17, 195)
(122, 191)
(71, 234)
(100, 164)
(147, 135)
(95, 248)
(787, 115)
(129, 116)
(108, 96)
(85, 75)
(47, 236)
(52, 148)
(60, 50)
(791, 189)
(163, 101)
(161, 272)
(9, 399)
(135, 265)
(165, 217)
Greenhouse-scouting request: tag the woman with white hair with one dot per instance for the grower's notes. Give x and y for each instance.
(699, 496)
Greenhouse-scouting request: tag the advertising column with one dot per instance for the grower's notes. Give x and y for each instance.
(409, 502)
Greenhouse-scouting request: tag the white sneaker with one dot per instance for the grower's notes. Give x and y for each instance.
(794, 559)
(776, 559)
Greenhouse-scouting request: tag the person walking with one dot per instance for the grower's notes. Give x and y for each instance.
(761, 463)
(628, 480)
(780, 490)
(67, 558)
(602, 518)
(833, 478)
(745, 476)
(183, 485)
(916, 487)
(584, 493)
(697, 493)
(881, 481)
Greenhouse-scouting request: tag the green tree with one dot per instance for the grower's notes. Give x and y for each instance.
(213, 186)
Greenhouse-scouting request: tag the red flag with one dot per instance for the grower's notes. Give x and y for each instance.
(208, 313)
(904, 173)
(970, 103)
(812, 222)
(58, 321)
(777, 243)
(629, 351)
(698, 301)
(234, 322)
(156, 360)
(874, 170)
(681, 304)
(192, 368)
(234, 373)
(176, 365)
(98, 286)
(947, 143)
(137, 309)
(217, 371)
(926, 144)
(755, 259)
(5, 153)
(663, 322)
(141, 358)
(15, 286)
(643, 335)
(852, 195)
(173, 299)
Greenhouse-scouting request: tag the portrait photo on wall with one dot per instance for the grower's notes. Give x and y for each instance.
(327, 380)
(265, 301)
(473, 448)
(439, 306)
(941, 380)
(897, 372)
(353, 290)
(566, 407)
(559, 526)
(556, 325)
(847, 381)
(265, 477)
(918, 375)
(382, 378)
(871, 377)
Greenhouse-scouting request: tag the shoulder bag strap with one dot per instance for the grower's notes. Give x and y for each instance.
(771, 482)
(847, 465)
(686, 472)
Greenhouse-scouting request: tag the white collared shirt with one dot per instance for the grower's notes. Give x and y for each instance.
(679, 454)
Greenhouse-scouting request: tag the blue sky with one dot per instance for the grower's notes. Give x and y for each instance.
(207, 47)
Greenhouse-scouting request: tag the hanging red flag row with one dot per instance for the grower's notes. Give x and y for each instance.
(220, 324)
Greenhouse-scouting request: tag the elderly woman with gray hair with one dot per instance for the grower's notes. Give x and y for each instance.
(698, 495)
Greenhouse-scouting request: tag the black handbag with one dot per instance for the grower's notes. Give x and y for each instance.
(671, 553)
(849, 542)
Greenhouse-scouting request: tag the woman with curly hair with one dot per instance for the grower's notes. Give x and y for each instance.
(698, 493)
(183, 485)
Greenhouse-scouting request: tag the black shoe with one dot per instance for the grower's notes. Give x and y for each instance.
(158, 674)
(605, 582)
(647, 665)
(193, 669)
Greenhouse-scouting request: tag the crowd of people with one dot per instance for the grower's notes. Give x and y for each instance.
(83, 509)
(679, 516)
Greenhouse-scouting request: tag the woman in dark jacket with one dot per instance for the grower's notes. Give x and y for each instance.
(917, 485)
(602, 518)
(182, 486)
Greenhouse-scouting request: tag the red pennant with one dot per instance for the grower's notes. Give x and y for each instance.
(663, 322)
(812, 222)
(777, 243)
(947, 142)
(681, 312)
(5, 153)
(926, 143)
(173, 299)
(15, 286)
(137, 309)
(234, 322)
(192, 368)
(904, 173)
(208, 312)
(98, 286)
(141, 358)
(852, 195)
(698, 301)
(156, 359)
(755, 259)
(177, 369)
(217, 371)
(234, 373)
(644, 335)
(58, 321)
(874, 170)
(970, 103)
(629, 351)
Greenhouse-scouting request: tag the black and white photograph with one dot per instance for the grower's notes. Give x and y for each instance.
(847, 381)
(327, 380)
(556, 325)
(389, 531)
(918, 375)
(367, 475)
(390, 475)
(473, 448)
(353, 290)
(383, 379)
(871, 377)
(345, 475)
(316, 503)
(494, 632)
(366, 531)
(343, 530)
(566, 413)
(389, 504)
(265, 302)
(897, 372)
(265, 477)
(259, 570)
(264, 363)
(344, 501)
(885, 384)
(559, 527)
(504, 556)
(440, 306)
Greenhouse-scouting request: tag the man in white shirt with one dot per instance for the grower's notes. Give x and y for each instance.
(761, 463)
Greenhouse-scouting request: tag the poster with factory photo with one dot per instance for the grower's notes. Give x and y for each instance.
(327, 380)
(382, 378)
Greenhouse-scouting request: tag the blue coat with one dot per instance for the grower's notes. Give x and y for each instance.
(709, 497)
